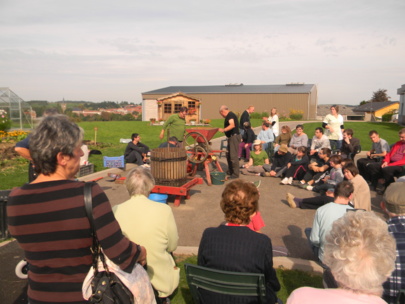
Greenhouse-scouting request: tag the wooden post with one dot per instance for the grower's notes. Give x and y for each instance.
(95, 135)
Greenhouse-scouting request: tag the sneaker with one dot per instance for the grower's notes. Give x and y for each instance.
(290, 180)
(290, 200)
(265, 174)
(284, 181)
(309, 188)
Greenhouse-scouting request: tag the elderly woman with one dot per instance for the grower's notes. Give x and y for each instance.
(258, 161)
(333, 123)
(48, 218)
(235, 247)
(360, 253)
(152, 224)
(361, 194)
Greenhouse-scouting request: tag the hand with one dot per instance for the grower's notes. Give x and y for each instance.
(142, 256)
(330, 129)
(385, 164)
(221, 130)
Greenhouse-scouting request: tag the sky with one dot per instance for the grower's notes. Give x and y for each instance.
(98, 50)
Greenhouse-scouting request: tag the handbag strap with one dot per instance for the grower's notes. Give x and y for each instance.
(96, 247)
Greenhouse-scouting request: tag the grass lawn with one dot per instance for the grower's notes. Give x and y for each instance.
(109, 134)
(289, 281)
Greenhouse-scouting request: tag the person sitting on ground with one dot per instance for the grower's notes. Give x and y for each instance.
(393, 205)
(299, 139)
(318, 142)
(326, 215)
(136, 152)
(311, 202)
(171, 143)
(360, 254)
(361, 194)
(317, 169)
(350, 144)
(266, 135)
(393, 164)
(280, 160)
(258, 161)
(247, 140)
(297, 167)
(374, 158)
(239, 202)
(334, 177)
(283, 139)
(152, 224)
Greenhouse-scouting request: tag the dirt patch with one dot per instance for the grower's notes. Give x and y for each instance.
(7, 151)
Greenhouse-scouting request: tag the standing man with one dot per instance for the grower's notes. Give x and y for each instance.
(369, 166)
(394, 205)
(231, 130)
(245, 117)
(136, 151)
(176, 125)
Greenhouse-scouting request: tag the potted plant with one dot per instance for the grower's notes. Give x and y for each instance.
(152, 120)
(192, 121)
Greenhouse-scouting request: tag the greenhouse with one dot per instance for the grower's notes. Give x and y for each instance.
(20, 112)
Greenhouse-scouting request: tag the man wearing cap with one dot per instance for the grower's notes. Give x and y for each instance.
(280, 160)
(176, 125)
(327, 214)
(394, 205)
(136, 152)
(231, 130)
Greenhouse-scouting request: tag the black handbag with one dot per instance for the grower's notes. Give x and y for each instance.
(106, 287)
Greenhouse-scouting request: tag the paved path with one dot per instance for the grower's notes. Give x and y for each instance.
(285, 226)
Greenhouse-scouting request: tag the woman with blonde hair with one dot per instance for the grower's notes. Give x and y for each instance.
(360, 253)
(273, 119)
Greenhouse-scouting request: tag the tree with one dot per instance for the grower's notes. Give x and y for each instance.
(363, 102)
(380, 96)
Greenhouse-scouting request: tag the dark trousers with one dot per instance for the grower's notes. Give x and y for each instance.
(311, 175)
(368, 167)
(315, 202)
(232, 155)
(295, 171)
(389, 173)
(134, 157)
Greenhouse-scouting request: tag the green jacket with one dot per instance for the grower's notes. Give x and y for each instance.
(176, 126)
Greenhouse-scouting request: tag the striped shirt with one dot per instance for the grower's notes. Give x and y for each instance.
(50, 224)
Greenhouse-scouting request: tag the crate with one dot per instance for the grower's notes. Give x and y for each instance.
(85, 170)
(114, 162)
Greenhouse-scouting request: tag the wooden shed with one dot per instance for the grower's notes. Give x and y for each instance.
(286, 97)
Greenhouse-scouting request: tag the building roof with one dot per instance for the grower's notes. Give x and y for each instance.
(238, 89)
(374, 106)
(346, 110)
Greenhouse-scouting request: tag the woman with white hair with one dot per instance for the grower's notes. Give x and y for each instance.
(360, 253)
(153, 224)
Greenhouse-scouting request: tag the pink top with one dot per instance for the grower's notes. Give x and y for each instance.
(309, 295)
(256, 222)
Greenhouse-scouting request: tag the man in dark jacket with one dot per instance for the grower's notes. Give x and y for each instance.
(136, 151)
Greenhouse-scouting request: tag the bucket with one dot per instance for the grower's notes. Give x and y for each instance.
(217, 178)
(158, 197)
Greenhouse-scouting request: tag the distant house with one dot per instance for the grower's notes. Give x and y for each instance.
(401, 111)
(238, 97)
(373, 110)
(345, 110)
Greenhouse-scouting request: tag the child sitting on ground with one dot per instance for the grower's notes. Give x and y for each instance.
(335, 176)
(297, 167)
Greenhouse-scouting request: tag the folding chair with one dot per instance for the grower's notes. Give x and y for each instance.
(224, 145)
(224, 282)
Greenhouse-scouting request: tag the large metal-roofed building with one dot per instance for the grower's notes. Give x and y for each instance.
(238, 97)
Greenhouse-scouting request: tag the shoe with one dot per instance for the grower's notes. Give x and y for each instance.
(232, 177)
(309, 188)
(290, 200)
(302, 182)
(284, 181)
(380, 189)
(265, 174)
(290, 180)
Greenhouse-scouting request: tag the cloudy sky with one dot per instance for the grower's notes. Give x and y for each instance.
(99, 50)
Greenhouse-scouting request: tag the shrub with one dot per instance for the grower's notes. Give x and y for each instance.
(296, 114)
(5, 122)
(258, 115)
(387, 116)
